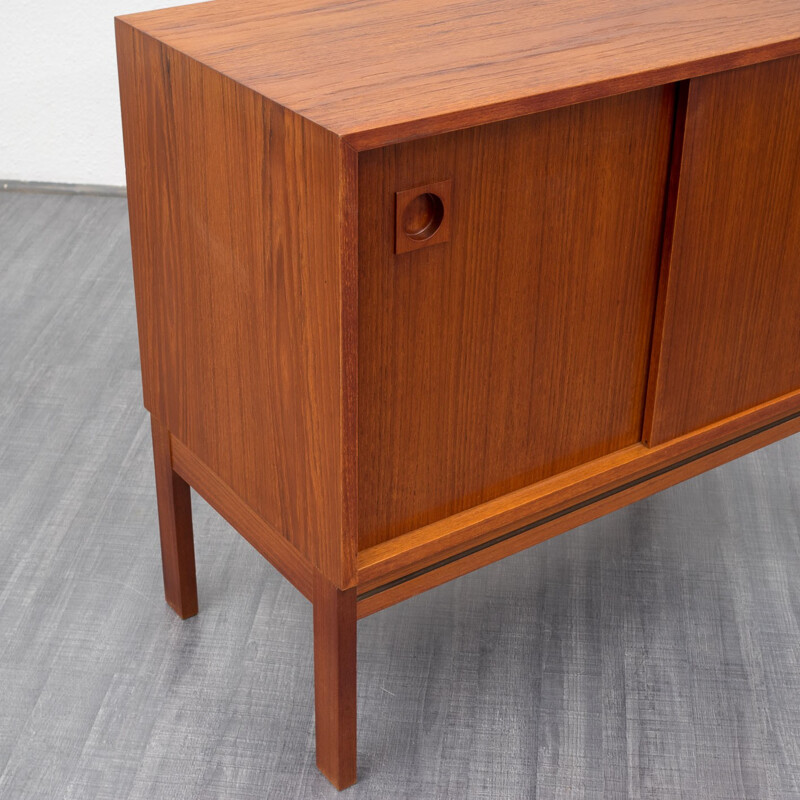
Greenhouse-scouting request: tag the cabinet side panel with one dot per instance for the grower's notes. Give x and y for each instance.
(234, 209)
(731, 321)
(518, 348)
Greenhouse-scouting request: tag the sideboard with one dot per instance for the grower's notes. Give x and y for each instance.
(421, 285)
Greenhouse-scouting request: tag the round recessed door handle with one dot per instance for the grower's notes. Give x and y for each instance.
(423, 216)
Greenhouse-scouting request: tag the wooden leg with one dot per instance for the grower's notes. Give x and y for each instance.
(335, 681)
(175, 523)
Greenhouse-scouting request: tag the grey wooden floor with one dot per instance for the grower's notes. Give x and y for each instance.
(651, 654)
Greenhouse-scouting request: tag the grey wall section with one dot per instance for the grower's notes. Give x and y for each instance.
(653, 653)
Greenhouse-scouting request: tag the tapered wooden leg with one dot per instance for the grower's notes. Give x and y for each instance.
(175, 523)
(335, 681)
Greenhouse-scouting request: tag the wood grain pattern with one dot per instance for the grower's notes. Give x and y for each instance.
(386, 70)
(519, 348)
(335, 681)
(731, 323)
(240, 272)
(370, 603)
(668, 239)
(175, 525)
(280, 552)
(420, 548)
(423, 224)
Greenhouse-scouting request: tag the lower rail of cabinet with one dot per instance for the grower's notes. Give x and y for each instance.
(398, 569)
(508, 542)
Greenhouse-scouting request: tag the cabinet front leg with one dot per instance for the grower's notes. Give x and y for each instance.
(335, 681)
(175, 524)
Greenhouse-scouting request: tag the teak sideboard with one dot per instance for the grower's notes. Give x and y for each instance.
(421, 285)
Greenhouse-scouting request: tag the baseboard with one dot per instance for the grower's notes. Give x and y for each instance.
(41, 187)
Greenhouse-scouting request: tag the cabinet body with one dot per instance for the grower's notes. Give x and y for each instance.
(402, 313)
(620, 278)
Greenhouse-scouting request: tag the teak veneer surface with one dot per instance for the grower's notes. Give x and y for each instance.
(519, 348)
(501, 546)
(231, 199)
(380, 71)
(581, 486)
(729, 332)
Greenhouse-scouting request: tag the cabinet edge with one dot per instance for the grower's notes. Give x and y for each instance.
(274, 547)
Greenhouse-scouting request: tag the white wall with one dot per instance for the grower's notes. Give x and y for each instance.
(59, 103)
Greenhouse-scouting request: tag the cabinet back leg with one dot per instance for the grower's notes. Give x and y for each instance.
(175, 524)
(335, 681)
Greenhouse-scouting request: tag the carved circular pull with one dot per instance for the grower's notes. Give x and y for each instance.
(423, 216)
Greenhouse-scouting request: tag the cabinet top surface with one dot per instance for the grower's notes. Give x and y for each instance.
(380, 71)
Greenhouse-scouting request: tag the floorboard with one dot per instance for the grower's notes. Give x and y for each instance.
(651, 654)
